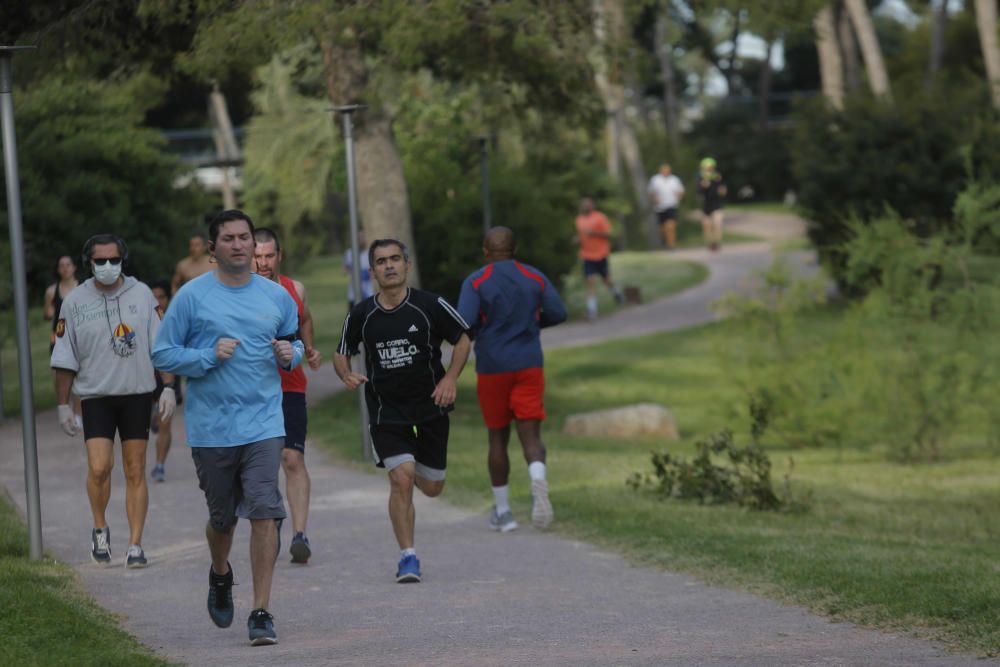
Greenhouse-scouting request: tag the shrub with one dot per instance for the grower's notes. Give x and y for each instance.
(913, 157)
(742, 478)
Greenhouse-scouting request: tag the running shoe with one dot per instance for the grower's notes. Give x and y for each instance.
(220, 597)
(502, 522)
(409, 570)
(261, 627)
(158, 474)
(619, 296)
(135, 558)
(300, 548)
(100, 546)
(541, 508)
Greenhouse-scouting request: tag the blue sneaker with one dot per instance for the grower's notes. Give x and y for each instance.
(409, 570)
(158, 474)
(261, 628)
(300, 548)
(220, 597)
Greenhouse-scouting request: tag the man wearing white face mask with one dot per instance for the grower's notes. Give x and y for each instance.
(103, 352)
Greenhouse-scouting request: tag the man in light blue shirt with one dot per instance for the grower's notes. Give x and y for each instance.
(227, 331)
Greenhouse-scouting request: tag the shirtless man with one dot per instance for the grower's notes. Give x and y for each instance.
(196, 263)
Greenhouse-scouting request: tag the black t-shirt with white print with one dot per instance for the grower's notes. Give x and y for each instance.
(402, 354)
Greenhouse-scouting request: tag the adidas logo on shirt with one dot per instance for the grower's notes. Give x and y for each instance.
(413, 328)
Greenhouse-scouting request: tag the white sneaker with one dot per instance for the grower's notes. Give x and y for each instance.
(541, 508)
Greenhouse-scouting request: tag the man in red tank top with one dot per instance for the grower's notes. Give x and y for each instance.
(267, 255)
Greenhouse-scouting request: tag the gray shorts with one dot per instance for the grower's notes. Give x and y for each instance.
(240, 481)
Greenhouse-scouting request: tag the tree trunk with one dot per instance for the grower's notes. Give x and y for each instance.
(936, 56)
(986, 22)
(848, 50)
(730, 72)
(871, 52)
(764, 87)
(831, 69)
(665, 56)
(613, 96)
(383, 198)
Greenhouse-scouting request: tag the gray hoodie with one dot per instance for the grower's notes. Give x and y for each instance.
(107, 339)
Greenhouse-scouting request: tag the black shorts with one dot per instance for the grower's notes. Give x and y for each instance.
(240, 481)
(293, 404)
(667, 215)
(595, 267)
(425, 443)
(128, 415)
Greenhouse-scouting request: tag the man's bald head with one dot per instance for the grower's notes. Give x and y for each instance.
(499, 243)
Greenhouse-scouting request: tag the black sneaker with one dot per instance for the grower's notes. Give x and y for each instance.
(100, 545)
(300, 548)
(261, 627)
(220, 597)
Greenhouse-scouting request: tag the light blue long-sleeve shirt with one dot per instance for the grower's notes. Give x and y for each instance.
(236, 401)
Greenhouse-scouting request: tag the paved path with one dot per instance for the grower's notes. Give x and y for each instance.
(526, 598)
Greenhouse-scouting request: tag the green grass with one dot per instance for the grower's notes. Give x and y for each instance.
(44, 389)
(656, 274)
(46, 616)
(906, 548)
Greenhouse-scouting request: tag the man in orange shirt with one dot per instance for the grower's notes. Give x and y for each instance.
(594, 237)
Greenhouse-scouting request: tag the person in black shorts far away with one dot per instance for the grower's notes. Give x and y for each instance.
(666, 191)
(54, 295)
(104, 342)
(267, 259)
(407, 390)
(712, 190)
(228, 331)
(162, 426)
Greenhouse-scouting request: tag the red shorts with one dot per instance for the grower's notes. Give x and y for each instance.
(506, 396)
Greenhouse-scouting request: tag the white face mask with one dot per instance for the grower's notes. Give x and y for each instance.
(107, 273)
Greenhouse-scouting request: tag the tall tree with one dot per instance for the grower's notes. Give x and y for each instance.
(939, 20)
(609, 31)
(532, 51)
(986, 22)
(848, 50)
(831, 68)
(664, 56)
(871, 52)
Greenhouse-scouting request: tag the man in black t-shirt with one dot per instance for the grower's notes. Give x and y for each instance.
(408, 392)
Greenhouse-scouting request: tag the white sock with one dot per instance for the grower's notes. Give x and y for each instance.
(536, 470)
(408, 552)
(501, 498)
(592, 306)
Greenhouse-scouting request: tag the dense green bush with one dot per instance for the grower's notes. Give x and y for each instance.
(751, 160)
(909, 369)
(720, 473)
(912, 157)
(87, 166)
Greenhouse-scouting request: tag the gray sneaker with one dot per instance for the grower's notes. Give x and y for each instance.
(541, 508)
(100, 546)
(135, 558)
(503, 523)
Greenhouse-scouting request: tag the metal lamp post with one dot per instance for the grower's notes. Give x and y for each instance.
(29, 442)
(346, 113)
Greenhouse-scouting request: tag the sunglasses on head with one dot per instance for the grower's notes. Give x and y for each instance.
(115, 261)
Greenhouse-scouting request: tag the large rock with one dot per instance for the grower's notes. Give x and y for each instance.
(643, 419)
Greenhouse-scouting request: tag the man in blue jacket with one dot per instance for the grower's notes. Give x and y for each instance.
(228, 331)
(507, 303)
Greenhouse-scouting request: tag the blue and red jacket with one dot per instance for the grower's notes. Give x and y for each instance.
(507, 303)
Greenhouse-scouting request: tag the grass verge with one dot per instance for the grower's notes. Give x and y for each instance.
(47, 617)
(906, 548)
(44, 389)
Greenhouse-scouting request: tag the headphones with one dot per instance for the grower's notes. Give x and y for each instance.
(102, 239)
